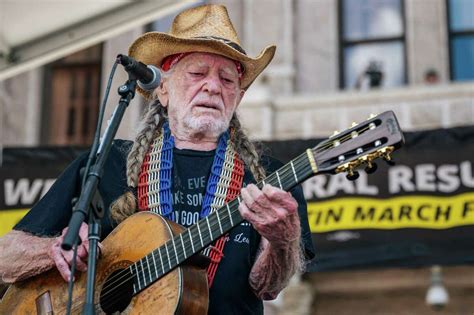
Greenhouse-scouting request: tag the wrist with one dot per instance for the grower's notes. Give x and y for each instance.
(282, 247)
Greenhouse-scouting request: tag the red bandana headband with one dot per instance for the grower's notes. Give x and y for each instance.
(171, 60)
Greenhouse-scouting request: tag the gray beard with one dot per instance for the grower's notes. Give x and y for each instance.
(209, 127)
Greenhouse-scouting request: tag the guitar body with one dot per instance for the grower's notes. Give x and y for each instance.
(182, 291)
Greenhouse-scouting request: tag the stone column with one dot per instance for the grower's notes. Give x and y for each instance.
(20, 100)
(316, 46)
(268, 22)
(426, 39)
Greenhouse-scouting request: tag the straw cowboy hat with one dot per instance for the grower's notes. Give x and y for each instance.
(205, 28)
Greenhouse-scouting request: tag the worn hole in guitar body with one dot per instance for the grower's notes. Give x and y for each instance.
(115, 295)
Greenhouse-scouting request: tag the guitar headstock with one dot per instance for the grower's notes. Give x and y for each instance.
(377, 137)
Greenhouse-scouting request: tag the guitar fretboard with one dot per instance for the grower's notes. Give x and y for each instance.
(192, 240)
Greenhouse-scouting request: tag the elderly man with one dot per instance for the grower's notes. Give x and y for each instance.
(189, 158)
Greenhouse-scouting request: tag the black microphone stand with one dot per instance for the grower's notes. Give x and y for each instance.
(88, 204)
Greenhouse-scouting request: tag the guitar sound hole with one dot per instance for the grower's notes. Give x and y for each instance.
(117, 291)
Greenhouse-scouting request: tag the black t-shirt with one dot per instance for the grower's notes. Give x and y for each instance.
(190, 173)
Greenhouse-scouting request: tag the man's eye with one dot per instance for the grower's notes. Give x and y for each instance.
(227, 80)
(197, 74)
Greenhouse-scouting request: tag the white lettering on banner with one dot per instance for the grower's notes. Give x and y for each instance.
(314, 187)
(400, 177)
(425, 177)
(449, 182)
(363, 187)
(429, 177)
(24, 191)
(338, 183)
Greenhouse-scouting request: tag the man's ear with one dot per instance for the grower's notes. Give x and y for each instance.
(163, 95)
(241, 95)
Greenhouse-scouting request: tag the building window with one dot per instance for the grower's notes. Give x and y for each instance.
(461, 39)
(71, 102)
(372, 46)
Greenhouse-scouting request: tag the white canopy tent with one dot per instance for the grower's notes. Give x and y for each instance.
(36, 32)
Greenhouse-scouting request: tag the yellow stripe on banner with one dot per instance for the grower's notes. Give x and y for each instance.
(8, 219)
(425, 212)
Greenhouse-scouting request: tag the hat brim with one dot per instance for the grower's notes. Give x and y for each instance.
(151, 48)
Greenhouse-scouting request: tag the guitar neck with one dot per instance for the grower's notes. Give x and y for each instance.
(192, 240)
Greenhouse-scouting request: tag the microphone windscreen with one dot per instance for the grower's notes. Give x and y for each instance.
(154, 83)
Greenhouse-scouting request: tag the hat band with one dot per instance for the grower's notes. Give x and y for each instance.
(225, 41)
(171, 60)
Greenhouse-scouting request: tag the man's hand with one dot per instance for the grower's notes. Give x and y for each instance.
(272, 212)
(63, 259)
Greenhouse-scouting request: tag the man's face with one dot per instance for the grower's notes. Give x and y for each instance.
(201, 94)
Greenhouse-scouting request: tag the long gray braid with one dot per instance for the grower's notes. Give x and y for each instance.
(150, 127)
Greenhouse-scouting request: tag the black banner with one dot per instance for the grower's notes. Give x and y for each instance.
(418, 212)
(26, 174)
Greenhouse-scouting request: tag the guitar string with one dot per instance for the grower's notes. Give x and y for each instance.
(286, 174)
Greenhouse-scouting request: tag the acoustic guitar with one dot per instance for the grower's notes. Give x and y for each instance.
(146, 266)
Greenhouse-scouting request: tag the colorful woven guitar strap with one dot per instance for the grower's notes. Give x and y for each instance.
(224, 184)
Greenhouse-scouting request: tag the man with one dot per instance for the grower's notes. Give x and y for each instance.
(188, 158)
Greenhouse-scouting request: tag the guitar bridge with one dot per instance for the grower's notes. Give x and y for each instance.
(44, 305)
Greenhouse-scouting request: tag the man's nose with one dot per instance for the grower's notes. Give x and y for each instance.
(212, 84)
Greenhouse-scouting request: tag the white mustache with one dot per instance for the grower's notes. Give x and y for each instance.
(215, 102)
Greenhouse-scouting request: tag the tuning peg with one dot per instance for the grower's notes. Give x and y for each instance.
(371, 167)
(351, 174)
(371, 116)
(354, 124)
(335, 133)
(387, 158)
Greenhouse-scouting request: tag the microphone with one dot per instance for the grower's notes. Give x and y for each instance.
(149, 77)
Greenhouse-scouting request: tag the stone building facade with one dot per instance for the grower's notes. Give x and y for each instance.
(301, 87)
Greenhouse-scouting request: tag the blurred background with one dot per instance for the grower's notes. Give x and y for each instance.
(400, 241)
